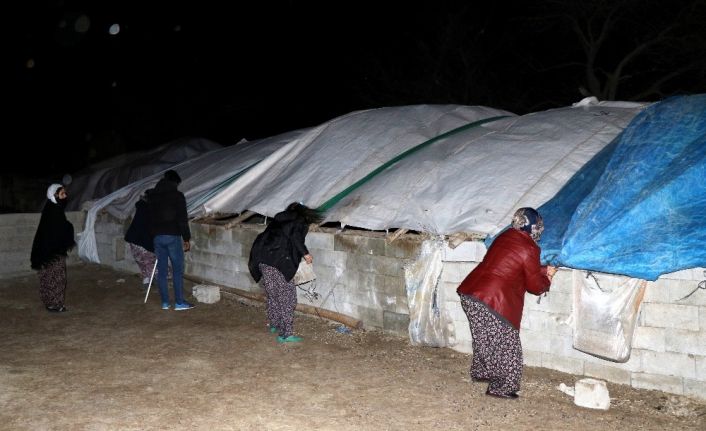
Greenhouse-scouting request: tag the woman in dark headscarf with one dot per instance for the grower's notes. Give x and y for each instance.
(275, 257)
(53, 239)
(493, 295)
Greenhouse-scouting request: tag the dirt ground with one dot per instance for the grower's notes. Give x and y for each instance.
(114, 363)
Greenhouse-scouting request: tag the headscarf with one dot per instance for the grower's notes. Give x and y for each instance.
(528, 220)
(51, 191)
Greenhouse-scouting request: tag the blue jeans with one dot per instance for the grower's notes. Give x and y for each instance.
(170, 247)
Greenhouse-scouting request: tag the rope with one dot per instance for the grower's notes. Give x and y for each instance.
(701, 285)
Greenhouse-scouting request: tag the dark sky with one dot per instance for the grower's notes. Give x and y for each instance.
(232, 70)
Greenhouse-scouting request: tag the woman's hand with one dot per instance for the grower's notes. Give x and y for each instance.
(308, 258)
(551, 270)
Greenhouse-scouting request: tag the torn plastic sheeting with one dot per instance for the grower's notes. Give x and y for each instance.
(429, 324)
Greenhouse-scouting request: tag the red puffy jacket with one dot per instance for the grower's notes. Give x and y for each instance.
(510, 268)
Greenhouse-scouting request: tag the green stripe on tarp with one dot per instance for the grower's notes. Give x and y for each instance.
(334, 200)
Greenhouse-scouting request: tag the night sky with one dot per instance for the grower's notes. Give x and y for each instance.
(82, 90)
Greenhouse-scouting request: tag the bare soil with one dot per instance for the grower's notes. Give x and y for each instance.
(114, 363)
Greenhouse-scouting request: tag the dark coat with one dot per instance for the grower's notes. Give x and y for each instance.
(510, 268)
(280, 246)
(54, 236)
(167, 211)
(139, 231)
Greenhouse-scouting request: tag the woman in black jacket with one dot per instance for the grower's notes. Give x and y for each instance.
(275, 257)
(53, 239)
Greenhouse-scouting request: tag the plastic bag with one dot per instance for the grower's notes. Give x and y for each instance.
(605, 311)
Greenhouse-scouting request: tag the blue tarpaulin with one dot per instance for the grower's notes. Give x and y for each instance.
(638, 208)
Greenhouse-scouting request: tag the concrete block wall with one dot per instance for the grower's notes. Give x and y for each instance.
(358, 274)
(17, 233)
(362, 276)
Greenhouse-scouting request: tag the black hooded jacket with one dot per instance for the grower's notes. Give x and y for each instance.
(54, 236)
(280, 246)
(167, 211)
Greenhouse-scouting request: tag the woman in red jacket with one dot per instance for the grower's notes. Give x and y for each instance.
(493, 295)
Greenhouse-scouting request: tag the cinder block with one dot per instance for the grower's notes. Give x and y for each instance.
(671, 384)
(455, 311)
(670, 364)
(334, 259)
(695, 388)
(455, 272)
(356, 244)
(683, 341)
(649, 338)
(607, 372)
(219, 246)
(563, 364)
(394, 286)
(532, 358)
(671, 316)
(592, 393)
(533, 340)
(319, 240)
(119, 249)
(633, 364)
(370, 281)
(245, 236)
(691, 274)
(683, 292)
(700, 367)
(403, 248)
(463, 346)
(206, 293)
(388, 265)
(395, 322)
(655, 293)
(467, 251)
(371, 317)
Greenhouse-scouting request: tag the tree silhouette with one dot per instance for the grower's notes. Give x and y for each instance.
(631, 49)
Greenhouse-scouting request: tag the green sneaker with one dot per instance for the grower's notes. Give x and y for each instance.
(273, 330)
(290, 339)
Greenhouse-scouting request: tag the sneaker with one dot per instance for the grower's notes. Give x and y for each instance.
(290, 339)
(166, 306)
(273, 329)
(183, 306)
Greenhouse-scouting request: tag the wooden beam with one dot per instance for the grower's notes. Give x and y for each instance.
(398, 233)
(351, 322)
(241, 218)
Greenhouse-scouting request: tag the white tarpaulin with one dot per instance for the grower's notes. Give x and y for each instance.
(473, 181)
(201, 177)
(331, 157)
(470, 177)
(468, 181)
